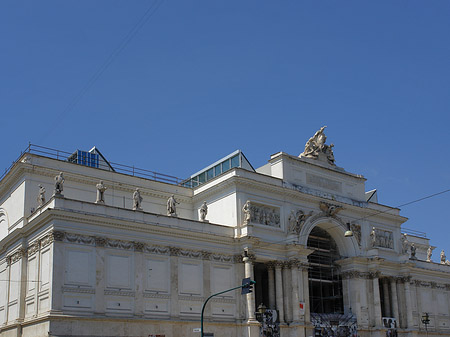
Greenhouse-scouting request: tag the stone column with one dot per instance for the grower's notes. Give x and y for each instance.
(100, 276)
(305, 277)
(8, 288)
(408, 305)
(295, 298)
(271, 281)
(386, 304)
(207, 280)
(287, 293)
(394, 300)
(140, 275)
(248, 265)
(174, 305)
(279, 290)
(376, 300)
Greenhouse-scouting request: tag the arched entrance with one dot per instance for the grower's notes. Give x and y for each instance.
(325, 284)
(325, 288)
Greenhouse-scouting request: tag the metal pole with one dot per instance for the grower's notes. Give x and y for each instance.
(204, 304)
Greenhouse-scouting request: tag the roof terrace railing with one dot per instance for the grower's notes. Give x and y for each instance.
(414, 232)
(120, 168)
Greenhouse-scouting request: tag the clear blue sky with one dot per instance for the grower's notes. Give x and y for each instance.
(200, 79)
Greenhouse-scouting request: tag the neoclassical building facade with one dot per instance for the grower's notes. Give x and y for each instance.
(90, 248)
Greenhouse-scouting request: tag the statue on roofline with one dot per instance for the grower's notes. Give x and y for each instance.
(316, 145)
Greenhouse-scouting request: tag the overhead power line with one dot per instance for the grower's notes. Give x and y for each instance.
(148, 14)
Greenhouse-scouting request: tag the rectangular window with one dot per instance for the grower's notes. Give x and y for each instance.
(226, 165)
(235, 161)
(202, 178)
(217, 170)
(210, 174)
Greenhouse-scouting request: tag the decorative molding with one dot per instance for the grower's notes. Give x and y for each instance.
(330, 210)
(156, 295)
(33, 248)
(190, 298)
(120, 293)
(158, 250)
(174, 251)
(16, 256)
(77, 290)
(100, 241)
(46, 240)
(79, 238)
(138, 246)
(127, 245)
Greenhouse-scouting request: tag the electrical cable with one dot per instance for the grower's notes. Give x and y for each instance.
(153, 8)
(377, 213)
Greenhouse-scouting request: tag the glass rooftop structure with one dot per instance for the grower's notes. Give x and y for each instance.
(235, 159)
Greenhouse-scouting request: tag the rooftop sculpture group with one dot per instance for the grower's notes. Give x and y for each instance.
(316, 146)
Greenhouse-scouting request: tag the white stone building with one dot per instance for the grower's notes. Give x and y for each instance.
(84, 263)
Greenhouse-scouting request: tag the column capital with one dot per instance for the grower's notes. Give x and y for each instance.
(270, 265)
(278, 264)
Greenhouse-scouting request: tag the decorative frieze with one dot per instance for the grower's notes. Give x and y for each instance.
(127, 245)
(190, 298)
(119, 293)
(78, 290)
(78, 238)
(381, 238)
(16, 256)
(264, 215)
(138, 246)
(33, 249)
(156, 295)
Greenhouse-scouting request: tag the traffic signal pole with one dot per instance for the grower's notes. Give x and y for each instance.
(246, 285)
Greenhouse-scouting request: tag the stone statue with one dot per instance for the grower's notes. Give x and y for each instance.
(413, 252)
(41, 196)
(316, 147)
(443, 257)
(405, 244)
(292, 223)
(315, 144)
(247, 212)
(330, 154)
(137, 200)
(429, 253)
(172, 206)
(100, 193)
(203, 211)
(59, 183)
(373, 237)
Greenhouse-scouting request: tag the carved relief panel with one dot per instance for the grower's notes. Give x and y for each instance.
(265, 215)
(381, 238)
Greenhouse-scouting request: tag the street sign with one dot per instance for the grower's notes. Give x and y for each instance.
(197, 330)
